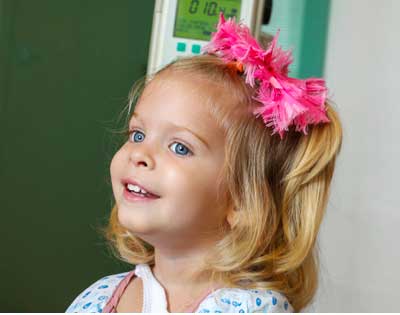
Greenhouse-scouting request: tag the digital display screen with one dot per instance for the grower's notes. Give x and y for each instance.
(197, 19)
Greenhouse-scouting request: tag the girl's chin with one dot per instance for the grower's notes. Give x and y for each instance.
(137, 221)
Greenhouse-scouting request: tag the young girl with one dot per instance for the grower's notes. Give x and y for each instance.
(218, 211)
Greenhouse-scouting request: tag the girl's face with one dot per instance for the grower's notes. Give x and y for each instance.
(175, 150)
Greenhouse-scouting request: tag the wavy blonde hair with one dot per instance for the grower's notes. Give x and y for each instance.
(279, 190)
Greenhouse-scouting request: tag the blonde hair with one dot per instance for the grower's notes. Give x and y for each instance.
(279, 190)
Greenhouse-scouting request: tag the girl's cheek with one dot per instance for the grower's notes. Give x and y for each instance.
(115, 162)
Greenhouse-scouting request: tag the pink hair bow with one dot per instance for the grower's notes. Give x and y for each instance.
(284, 100)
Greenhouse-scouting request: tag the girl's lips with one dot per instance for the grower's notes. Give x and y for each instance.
(126, 181)
(137, 197)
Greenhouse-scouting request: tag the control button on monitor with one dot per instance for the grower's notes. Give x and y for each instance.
(196, 49)
(181, 46)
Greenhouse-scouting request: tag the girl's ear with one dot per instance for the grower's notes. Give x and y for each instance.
(232, 217)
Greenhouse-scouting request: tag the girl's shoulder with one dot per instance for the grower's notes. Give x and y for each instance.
(235, 300)
(95, 297)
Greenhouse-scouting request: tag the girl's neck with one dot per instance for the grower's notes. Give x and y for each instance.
(183, 278)
(176, 273)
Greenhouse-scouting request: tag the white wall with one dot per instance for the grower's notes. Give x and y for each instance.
(359, 239)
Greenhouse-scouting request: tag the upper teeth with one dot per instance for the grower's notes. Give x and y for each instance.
(136, 189)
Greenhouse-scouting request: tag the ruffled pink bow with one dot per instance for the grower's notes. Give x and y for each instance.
(284, 100)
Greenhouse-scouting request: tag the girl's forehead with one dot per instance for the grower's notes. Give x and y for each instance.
(187, 92)
(177, 103)
(212, 101)
(189, 83)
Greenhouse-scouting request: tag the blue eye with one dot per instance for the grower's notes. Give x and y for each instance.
(181, 149)
(137, 138)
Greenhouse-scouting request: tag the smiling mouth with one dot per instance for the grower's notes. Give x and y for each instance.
(131, 193)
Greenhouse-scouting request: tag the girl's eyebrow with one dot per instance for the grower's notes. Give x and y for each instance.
(136, 116)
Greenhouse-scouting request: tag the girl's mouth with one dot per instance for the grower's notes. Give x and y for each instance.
(138, 196)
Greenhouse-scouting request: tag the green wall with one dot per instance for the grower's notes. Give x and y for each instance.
(65, 71)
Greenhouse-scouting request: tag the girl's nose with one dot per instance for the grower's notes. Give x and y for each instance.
(142, 157)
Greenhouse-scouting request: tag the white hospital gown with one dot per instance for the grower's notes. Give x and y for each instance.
(222, 300)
